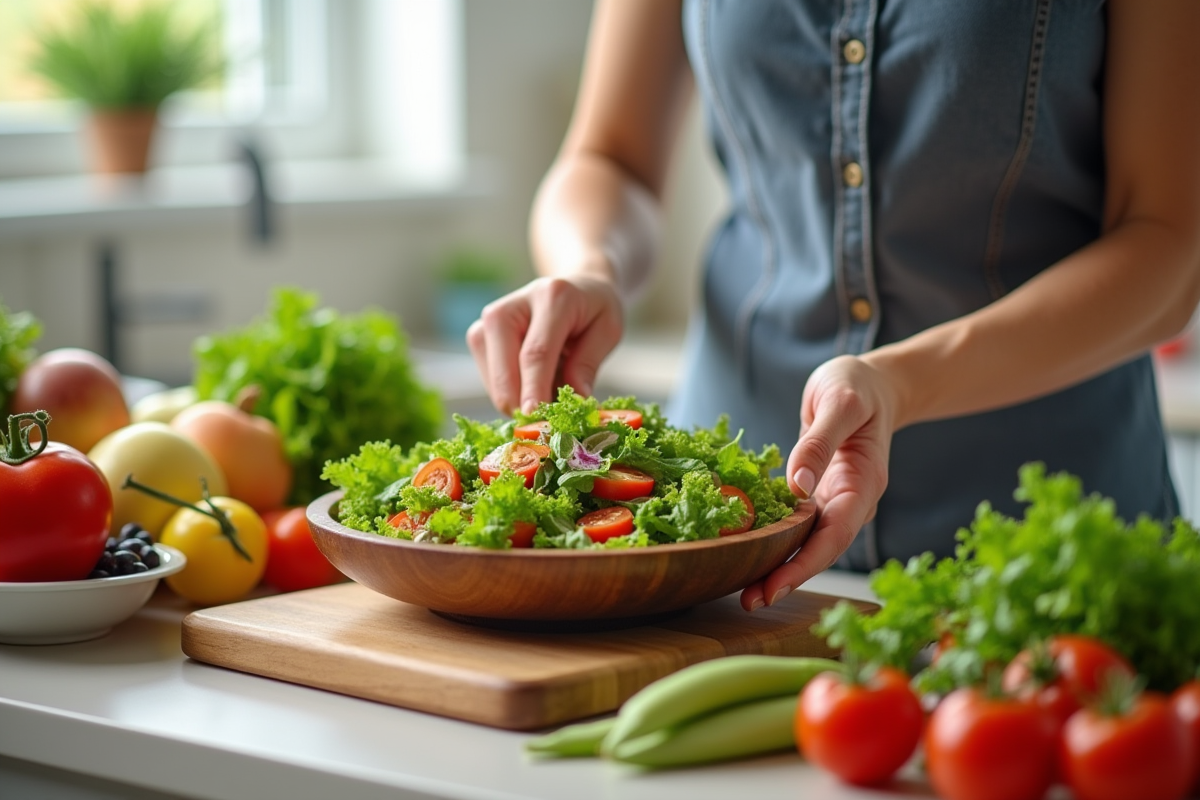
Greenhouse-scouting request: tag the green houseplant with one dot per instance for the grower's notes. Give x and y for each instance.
(123, 64)
(470, 278)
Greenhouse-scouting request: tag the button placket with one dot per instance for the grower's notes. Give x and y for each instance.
(851, 93)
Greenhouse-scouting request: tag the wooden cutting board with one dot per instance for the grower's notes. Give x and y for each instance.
(349, 639)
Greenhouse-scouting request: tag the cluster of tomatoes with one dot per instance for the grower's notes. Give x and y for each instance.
(1070, 712)
(524, 455)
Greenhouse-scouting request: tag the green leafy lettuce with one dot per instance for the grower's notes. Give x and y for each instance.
(686, 504)
(18, 333)
(1070, 565)
(331, 382)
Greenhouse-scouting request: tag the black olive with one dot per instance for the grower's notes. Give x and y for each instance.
(150, 558)
(98, 573)
(130, 529)
(125, 561)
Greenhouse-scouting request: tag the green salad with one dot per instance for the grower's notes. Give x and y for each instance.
(577, 473)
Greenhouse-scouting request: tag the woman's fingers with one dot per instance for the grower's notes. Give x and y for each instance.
(837, 415)
(523, 340)
(840, 460)
(836, 527)
(495, 340)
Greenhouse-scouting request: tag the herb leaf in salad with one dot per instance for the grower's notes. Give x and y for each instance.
(597, 455)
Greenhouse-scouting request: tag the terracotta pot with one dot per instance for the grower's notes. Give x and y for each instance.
(120, 139)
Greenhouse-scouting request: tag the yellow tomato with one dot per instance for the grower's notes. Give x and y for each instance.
(216, 572)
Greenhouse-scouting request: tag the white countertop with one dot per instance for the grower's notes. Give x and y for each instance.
(131, 708)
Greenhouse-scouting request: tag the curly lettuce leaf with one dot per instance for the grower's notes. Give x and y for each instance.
(330, 382)
(1070, 565)
(18, 333)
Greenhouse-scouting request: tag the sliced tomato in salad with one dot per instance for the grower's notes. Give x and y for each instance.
(523, 533)
(413, 523)
(622, 483)
(532, 430)
(441, 475)
(523, 458)
(747, 521)
(627, 415)
(605, 523)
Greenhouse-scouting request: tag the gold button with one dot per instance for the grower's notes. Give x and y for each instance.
(852, 174)
(860, 309)
(854, 51)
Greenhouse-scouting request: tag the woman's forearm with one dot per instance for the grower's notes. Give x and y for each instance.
(1131, 289)
(591, 218)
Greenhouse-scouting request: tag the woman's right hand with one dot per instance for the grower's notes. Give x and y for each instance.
(551, 332)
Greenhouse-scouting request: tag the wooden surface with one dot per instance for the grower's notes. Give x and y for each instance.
(349, 639)
(548, 584)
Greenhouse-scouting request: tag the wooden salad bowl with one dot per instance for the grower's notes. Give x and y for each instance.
(556, 589)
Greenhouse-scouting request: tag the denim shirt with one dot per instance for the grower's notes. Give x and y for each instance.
(894, 164)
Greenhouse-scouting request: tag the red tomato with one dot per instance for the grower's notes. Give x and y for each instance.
(523, 533)
(293, 560)
(747, 522)
(521, 457)
(622, 483)
(627, 415)
(861, 732)
(414, 524)
(441, 475)
(532, 430)
(57, 507)
(1185, 702)
(984, 748)
(1144, 753)
(1066, 677)
(605, 523)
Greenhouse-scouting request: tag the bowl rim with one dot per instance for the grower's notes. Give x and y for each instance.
(319, 512)
(172, 561)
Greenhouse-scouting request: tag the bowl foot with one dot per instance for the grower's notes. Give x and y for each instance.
(53, 638)
(562, 625)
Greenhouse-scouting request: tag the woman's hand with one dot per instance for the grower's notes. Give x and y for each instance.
(550, 332)
(847, 419)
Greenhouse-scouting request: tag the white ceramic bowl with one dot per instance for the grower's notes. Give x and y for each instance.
(57, 612)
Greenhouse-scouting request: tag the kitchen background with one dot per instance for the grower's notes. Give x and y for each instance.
(400, 145)
(394, 135)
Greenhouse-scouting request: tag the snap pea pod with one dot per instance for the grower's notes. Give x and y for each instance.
(706, 687)
(752, 728)
(573, 741)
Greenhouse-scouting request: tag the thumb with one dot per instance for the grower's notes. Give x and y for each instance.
(816, 447)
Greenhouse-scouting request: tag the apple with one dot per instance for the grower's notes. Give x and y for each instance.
(80, 390)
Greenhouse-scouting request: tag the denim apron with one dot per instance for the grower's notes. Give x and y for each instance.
(893, 164)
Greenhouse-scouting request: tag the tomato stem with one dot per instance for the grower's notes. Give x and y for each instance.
(15, 444)
(227, 527)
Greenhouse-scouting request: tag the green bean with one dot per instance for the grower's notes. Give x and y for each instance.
(573, 741)
(710, 686)
(752, 728)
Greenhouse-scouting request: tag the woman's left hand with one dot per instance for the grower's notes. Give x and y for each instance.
(847, 419)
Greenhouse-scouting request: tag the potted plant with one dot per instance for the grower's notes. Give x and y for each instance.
(470, 278)
(123, 64)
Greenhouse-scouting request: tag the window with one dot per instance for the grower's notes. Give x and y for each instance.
(277, 81)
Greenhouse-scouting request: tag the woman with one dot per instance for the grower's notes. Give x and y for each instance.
(956, 230)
